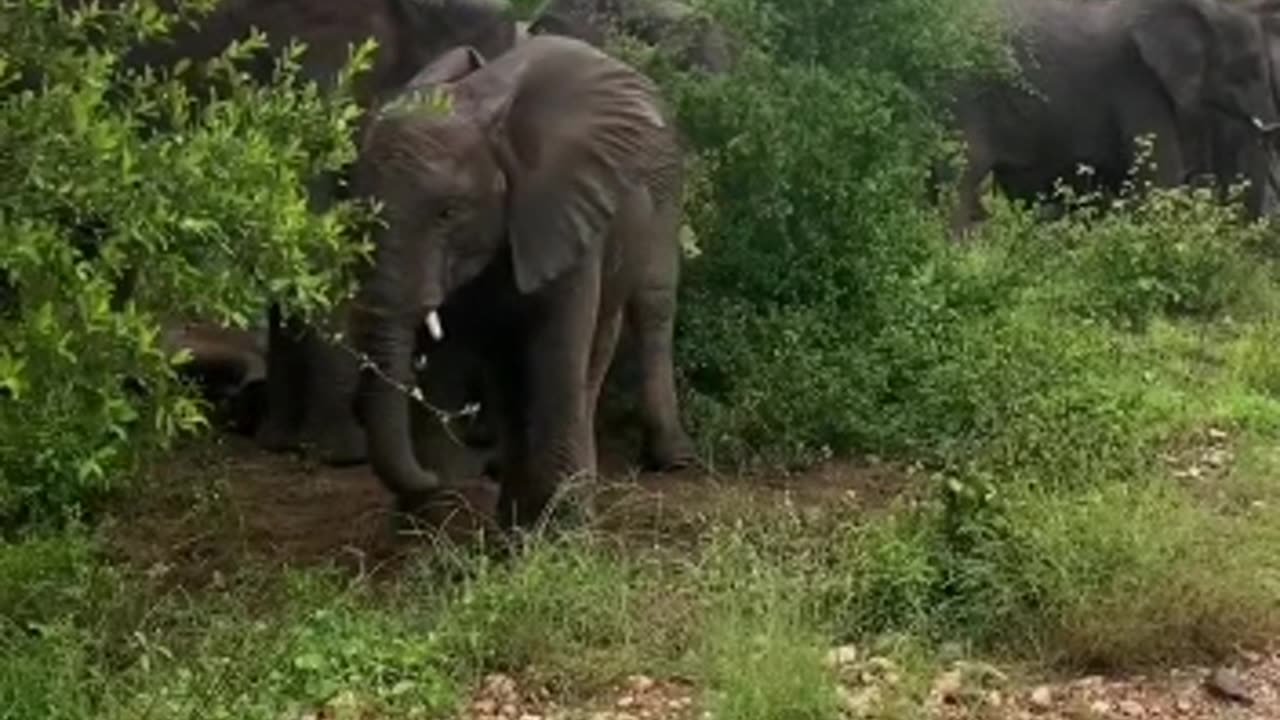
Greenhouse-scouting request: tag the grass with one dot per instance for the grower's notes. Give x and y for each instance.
(1113, 576)
(1098, 495)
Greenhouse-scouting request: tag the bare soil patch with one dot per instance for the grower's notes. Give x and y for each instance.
(222, 503)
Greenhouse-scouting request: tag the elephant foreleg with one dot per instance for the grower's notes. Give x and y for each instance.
(551, 438)
(329, 423)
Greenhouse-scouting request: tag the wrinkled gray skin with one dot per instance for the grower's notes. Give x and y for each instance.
(693, 39)
(1233, 150)
(535, 217)
(311, 384)
(1104, 73)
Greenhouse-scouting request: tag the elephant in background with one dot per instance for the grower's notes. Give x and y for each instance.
(310, 382)
(692, 38)
(228, 365)
(1100, 74)
(527, 223)
(1233, 150)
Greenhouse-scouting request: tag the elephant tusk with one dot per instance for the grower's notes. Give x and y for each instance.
(1265, 128)
(433, 326)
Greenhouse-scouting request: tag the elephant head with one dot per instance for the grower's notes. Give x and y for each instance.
(1209, 55)
(693, 39)
(526, 166)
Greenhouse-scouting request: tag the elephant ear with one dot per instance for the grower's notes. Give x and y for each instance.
(450, 67)
(1173, 40)
(569, 138)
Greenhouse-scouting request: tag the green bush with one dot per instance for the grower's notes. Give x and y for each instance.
(826, 314)
(127, 200)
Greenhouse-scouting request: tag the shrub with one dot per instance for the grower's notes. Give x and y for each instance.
(126, 200)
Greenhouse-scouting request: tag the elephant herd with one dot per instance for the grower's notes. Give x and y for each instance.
(533, 223)
(1196, 78)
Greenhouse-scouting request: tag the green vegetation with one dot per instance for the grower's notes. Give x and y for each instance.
(127, 200)
(1091, 404)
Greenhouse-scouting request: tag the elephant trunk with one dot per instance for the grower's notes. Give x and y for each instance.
(387, 340)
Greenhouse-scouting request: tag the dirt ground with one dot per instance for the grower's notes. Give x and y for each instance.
(224, 502)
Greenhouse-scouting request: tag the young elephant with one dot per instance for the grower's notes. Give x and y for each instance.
(1100, 74)
(311, 383)
(525, 221)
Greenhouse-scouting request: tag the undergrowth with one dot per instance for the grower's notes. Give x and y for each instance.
(1093, 400)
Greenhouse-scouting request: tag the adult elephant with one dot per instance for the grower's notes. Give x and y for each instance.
(1097, 76)
(692, 38)
(525, 222)
(1233, 150)
(311, 382)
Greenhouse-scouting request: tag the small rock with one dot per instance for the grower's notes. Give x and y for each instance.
(1216, 458)
(1132, 708)
(860, 704)
(508, 710)
(881, 664)
(1183, 706)
(500, 686)
(640, 683)
(1100, 707)
(1089, 681)
(530, 716)
(1041, 698)
(1227, 685)
(626, 701)
(484, 707)
(948, 685)
(1217, 435)
(842, 656)
(995, 699)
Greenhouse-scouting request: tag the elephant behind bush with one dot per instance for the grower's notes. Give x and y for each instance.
(693, 39)
(1097, 75)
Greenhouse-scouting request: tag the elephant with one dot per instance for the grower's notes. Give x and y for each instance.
(1233, 150)
(527, 221)
(227, 364)
(692, 38)
(310, 381)
(1097, 76)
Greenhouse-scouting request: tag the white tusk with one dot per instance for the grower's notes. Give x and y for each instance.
(1265, 127)
(434, 327)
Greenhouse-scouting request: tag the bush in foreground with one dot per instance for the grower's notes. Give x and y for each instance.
(128, 200)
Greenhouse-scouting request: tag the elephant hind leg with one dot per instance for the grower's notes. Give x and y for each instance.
(651, 314)
(651, 317)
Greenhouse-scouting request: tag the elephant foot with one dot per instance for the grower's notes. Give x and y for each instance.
(339, 446)
(669, 452)
(531, 511)
(462, 509)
